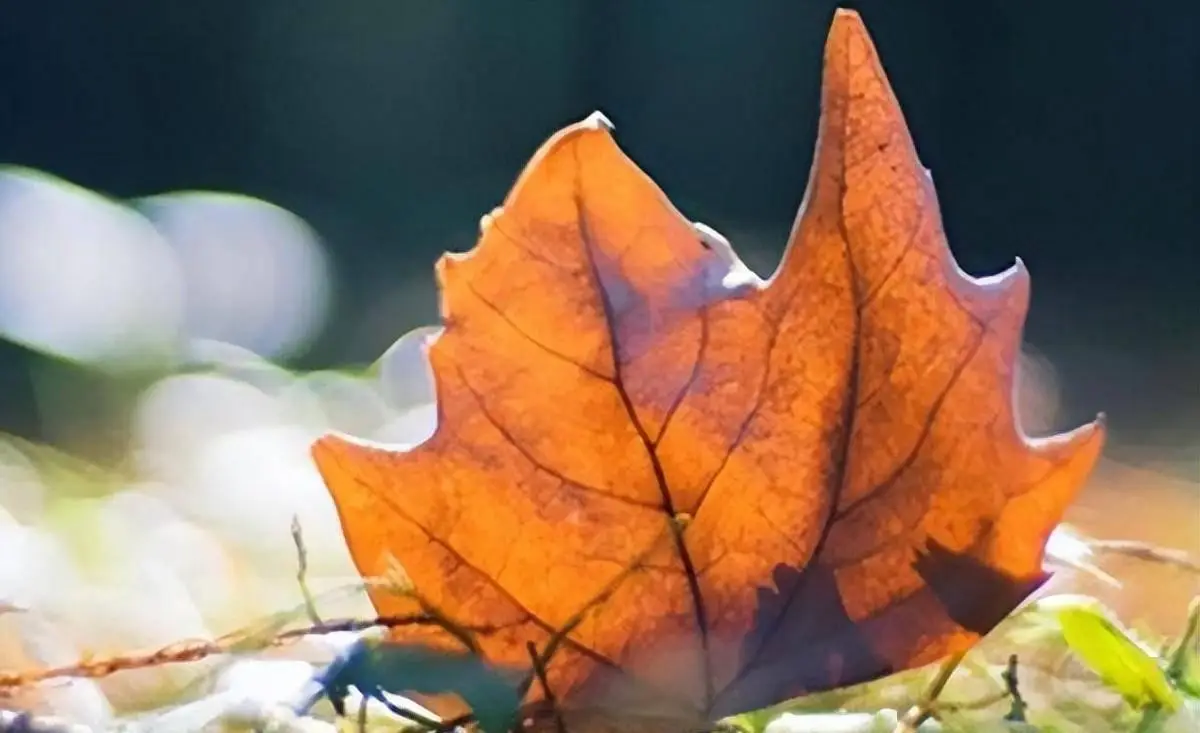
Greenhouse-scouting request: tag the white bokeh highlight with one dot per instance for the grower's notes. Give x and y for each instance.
(255, 275)
(83, 277)
(89, 279)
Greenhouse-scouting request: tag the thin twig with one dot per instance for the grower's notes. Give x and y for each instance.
(1146, 552)
(546, 654)
(310, 605)
(1016, 714)
(539, 669)
(191, 651)
(939, 709)
(913, 719)
(1186, 646)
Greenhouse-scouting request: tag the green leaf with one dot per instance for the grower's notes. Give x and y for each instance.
(1189, 675)
(1184, 667)
(1109, 650)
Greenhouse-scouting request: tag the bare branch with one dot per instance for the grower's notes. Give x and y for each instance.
(191, 651)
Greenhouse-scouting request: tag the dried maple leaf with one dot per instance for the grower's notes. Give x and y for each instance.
(728, 492)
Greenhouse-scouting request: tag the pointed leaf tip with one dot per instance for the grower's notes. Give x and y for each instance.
(597, 121)
(847, 25)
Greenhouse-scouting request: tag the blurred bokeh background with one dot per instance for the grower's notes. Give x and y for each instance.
(264, 186)
(1064, 133)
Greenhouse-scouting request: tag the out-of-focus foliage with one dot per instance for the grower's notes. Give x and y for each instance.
(187, 536)
(1111, 652)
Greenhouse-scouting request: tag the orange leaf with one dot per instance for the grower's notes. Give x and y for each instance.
(730, 491)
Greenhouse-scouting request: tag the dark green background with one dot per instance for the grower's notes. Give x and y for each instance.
(1063, 132)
